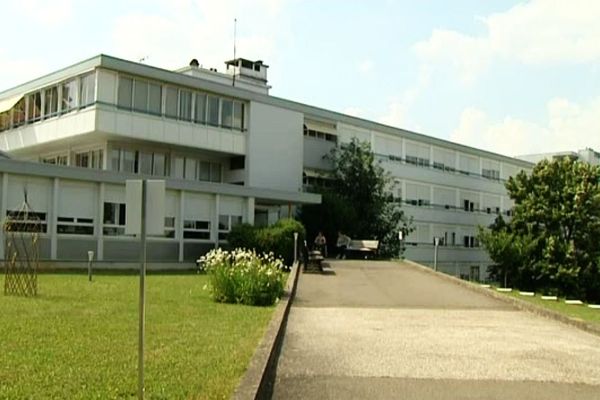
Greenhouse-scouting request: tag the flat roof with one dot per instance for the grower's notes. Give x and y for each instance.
(160, 74)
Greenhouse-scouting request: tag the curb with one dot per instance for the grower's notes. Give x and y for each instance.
(257, 382)
(515, 302)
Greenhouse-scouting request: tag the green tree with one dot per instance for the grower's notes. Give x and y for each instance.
(358, 203)
(556, 224)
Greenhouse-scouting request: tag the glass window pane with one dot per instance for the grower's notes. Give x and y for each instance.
(178, 167)
(227, 113)
(223, 222)
(69, 95)
(4, 121)
(185, 105)
(190, 168)
(87, 89)
(145, 163)
(204, 173)
(200, 112)
(238, 115)
(125, 88)
(155, 98)
(159, 164)
(213, 111)
(114, 159)
(215, 172)
(110, 213)
(35, 106)
(51, 106)
(19, 113)
(96, 159)
(128, 163)
(82, 159)
(171, 102)
(140, 95)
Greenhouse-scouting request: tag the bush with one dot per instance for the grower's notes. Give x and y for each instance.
(277, 239)
(243, 277)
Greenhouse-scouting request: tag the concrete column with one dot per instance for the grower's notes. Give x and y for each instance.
(3, 201)
(457, 202)
(53, 219)
(215, 227)
(430, 194)
(100, 222)
(250, 201)
(180, 219)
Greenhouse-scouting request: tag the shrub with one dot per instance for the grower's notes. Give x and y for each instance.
(244, 277)
(277, 238)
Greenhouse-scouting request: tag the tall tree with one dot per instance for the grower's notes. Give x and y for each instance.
(358, 202)
(557, 211)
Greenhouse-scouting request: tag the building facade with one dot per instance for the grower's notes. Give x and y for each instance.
(229, 152)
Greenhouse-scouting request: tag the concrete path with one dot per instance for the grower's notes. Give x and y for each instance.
(383, 330)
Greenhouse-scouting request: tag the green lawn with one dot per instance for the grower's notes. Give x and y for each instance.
(78, 340)
(582, 312)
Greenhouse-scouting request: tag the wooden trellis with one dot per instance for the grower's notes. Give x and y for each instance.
(21, 234)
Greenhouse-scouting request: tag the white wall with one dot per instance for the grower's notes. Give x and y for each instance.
(275, 148)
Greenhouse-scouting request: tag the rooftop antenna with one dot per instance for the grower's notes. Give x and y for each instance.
(234, 37)
(143, 59)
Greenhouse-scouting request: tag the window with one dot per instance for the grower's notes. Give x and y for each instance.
(185, 105)
(51, 102)
(87, 89)
(140, 95)
(170, 227)
(34, 109)
(190, 168)
(179, 167)
(56, 160)
(159, 165)
(115, 158)
(238, 115)
(18, 111)
(30, 222)
(114, 219)
(196, 229)
(69, 95)
(97, 159)
(200, 112)
(204, 171)
(75, 226)
(227, 113)
(226, 222)
(213, 111)
(236, 163)
(129, 161)
(145, 163)
(4, 121)
(82, 159)
(490, 174)
(125, 96)
(171, 102)
(215, 172)
(154, 98)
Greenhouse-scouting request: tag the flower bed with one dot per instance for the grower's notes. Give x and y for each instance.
(245, 277)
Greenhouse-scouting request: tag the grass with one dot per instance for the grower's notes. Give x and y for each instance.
(78, 340)
(581, 312)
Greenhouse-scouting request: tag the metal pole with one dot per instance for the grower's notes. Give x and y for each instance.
(142, 295)
(435, 251)
(295, 247)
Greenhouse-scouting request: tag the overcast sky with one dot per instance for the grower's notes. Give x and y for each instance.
(514, 77)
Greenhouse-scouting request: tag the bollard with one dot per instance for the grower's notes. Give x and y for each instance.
(90, 258)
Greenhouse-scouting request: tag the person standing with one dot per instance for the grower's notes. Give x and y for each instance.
(321, 244)
(343, 241)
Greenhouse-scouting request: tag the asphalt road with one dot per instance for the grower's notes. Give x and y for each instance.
(382, 330)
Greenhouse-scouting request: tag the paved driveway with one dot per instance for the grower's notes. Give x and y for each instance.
(383, 330)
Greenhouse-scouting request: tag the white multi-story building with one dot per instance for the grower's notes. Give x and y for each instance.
(229, 151)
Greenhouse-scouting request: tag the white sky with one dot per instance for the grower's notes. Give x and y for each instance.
(507, 76)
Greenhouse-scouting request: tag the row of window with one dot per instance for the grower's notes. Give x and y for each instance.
(320, 135)
(425, 162)
(114, 224)
(140, 95)
(468, 206)
(84, 159)
(48, 102)
(447, 239)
